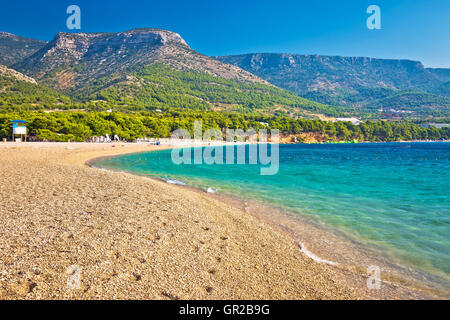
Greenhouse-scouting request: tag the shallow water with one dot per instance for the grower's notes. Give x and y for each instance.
(390, 196)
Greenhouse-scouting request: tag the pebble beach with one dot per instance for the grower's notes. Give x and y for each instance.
(130, 237)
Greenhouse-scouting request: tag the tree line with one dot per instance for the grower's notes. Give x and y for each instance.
(81, 126)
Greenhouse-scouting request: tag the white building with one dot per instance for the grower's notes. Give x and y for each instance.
(355, 121)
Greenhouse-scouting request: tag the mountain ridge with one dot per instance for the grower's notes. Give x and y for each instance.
(15, 48)
(257, 62)
(72, 58)
(363, 83)
(115, 65)
(144, 69)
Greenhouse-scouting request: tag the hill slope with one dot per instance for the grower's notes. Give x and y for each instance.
(145, 69)
(20, 92)
(347, 81)
(152, 68)
(160, 86)
(7, 72)
(14, 49)
(442, 73)
(72, 59)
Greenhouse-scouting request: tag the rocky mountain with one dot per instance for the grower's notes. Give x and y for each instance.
(142, 69)
(145, 69)
(14, 49)
(72, 59)
(7, 72)
(305, 73)
(347, 81)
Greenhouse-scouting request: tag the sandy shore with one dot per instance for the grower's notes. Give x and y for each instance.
(131, 237)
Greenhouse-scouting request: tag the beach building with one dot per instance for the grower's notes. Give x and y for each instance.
(19, 128)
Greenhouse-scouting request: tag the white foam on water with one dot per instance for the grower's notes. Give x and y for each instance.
(180, 183)
(314, 257)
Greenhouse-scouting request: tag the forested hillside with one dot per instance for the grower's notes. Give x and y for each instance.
(17, 95)
(367, 85)
(80, 126)
(149, 82)
(159, 86)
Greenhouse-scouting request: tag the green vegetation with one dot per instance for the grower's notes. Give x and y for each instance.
(17, 95)
(80, 126)
(367, 102)
(158, 86)
(156, 100)
(362, 84)
(421, 103)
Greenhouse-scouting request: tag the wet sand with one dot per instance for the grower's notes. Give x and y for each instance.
(131, 237)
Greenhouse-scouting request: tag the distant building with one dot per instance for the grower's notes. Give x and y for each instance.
(354, 121)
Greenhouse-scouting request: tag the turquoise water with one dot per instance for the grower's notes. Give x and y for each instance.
(392, 195)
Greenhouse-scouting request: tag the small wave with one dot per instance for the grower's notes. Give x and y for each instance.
(177, 182)
(313, 256)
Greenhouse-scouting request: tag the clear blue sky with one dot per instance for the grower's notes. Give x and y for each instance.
(411, 29)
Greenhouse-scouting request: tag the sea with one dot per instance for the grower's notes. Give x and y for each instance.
(389, 199)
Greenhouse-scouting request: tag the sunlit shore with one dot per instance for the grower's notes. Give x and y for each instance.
(134, 237)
